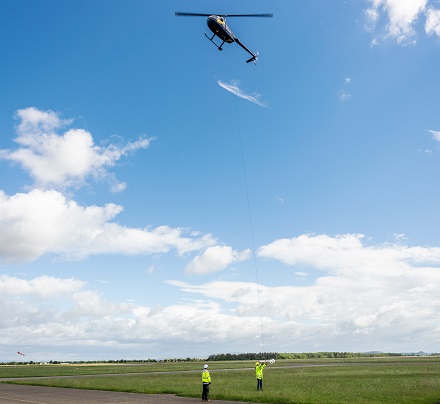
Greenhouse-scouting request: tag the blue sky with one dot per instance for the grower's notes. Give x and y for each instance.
(159, 198)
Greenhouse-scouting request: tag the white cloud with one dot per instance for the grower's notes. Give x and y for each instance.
(42, 287)
(234, 89)
(46, 222)
(435, 134)
(374, 42)
(432, 25)
(215, 259)
(371, 18)
(48, 311)
(82, 320)
(400, 237)
(401, 16)
(364, 297)
(317, 250)
(343, 94)
(346, 252)
(65, 160)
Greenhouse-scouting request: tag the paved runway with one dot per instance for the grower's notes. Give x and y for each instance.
(16, 394)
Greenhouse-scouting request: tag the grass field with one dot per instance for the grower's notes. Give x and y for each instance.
(382, 380)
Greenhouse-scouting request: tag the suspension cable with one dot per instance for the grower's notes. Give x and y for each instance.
(254, 252)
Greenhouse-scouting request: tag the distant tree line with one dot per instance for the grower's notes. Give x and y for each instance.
(331, 355)
(307, 355)
(111, 361)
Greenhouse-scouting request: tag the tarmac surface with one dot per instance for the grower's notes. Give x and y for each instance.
(15, 394)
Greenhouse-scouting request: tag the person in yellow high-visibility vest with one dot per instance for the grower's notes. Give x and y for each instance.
(259, 367)
(206, 382)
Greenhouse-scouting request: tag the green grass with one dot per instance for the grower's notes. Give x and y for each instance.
(396, 381)
(87, 369)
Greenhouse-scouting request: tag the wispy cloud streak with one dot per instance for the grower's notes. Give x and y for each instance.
(344, 95)
(234, 89)
(435, 134)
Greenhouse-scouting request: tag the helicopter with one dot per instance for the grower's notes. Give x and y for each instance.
(217, 25)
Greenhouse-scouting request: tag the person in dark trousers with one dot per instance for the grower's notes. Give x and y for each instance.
(259, 367)
(206, 382)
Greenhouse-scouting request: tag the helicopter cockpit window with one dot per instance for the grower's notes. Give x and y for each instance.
(221, 20)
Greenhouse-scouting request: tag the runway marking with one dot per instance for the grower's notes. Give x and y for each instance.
(22, 401)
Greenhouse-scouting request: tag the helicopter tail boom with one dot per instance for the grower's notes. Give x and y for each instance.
(254, 55)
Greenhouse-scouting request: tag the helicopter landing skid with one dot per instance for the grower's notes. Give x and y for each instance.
(211, 39)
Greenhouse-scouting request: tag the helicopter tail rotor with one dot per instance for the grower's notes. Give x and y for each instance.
(254, 59)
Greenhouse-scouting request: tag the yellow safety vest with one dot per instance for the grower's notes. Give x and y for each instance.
(206, 377)
(259, 371)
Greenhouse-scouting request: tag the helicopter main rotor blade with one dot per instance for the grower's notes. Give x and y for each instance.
(270, 15)
(180, 14)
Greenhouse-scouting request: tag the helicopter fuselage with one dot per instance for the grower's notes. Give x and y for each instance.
(218, 27)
